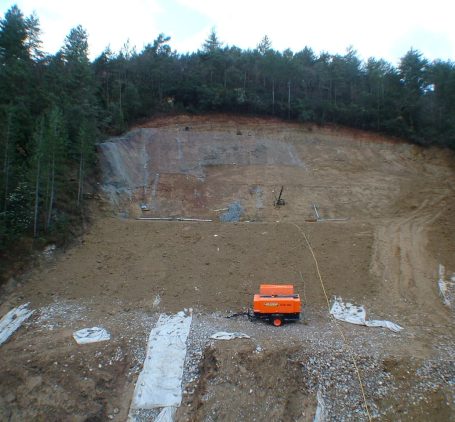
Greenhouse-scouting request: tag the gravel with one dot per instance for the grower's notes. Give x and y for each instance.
(327, 365)
(388, 368)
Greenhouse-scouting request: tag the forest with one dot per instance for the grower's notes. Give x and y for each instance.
(54, 108)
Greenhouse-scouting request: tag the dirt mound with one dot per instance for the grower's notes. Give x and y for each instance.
(394, 208)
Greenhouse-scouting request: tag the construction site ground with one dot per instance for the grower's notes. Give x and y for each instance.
(385, 236)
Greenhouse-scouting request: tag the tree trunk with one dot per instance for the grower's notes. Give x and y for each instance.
(120, 95)
(48, 184)
(6, 160)
(35, 215)
(38, 169)
(289, 100)
(377, 109)
(51, 198)
(273, 96)
(107, 91)
(81, 177)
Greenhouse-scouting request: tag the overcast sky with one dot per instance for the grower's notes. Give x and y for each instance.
(382, 29)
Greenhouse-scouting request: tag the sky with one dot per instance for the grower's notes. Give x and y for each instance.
(382, 29)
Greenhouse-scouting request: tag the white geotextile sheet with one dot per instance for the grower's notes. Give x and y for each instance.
(356, 315)
(13, 320)
(160, 382)
(223, 335)
(321, 410)
(167, 414)
(91, 335)
(445, 286)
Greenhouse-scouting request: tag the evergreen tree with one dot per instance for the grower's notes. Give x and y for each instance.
(264, 45)
(36, 173)
(86, 141)
(55, 158)
(19, 42)
(79, 104)
(212, 44)
(412, 70)
(13, 36)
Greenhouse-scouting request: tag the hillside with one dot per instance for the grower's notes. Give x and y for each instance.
(386, 226)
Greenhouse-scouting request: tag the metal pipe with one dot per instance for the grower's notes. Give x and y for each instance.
(175, 219)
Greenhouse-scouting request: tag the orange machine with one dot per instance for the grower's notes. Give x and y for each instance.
(277, 303)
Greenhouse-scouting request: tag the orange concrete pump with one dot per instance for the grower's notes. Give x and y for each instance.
(277, 303)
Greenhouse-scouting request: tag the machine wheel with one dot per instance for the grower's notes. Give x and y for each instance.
(277, 321)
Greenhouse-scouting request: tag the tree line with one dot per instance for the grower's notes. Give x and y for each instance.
(48, 128)
(55, 107)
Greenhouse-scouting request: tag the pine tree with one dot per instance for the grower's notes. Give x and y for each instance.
(79, 89)
(212, 43)
(86, 140)
(38, 138)
(55, 156)
(264, 45)
(412, 70)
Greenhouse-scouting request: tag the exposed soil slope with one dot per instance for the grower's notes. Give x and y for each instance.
(397, 206)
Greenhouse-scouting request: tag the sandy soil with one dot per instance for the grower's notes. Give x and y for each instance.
(398, 203)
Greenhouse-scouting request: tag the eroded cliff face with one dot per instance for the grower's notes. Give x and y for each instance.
(172, 171)
(193, 166)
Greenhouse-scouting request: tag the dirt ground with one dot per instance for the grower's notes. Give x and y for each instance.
(394, 210)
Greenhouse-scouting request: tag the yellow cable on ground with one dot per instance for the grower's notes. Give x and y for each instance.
(336, 322)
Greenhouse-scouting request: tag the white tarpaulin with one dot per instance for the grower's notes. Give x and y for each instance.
(446, 287)
(160, 382)
(321, 410)
(167, 414)
(356, 315)
(223, 335)
(91, 335)
(13, 320)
